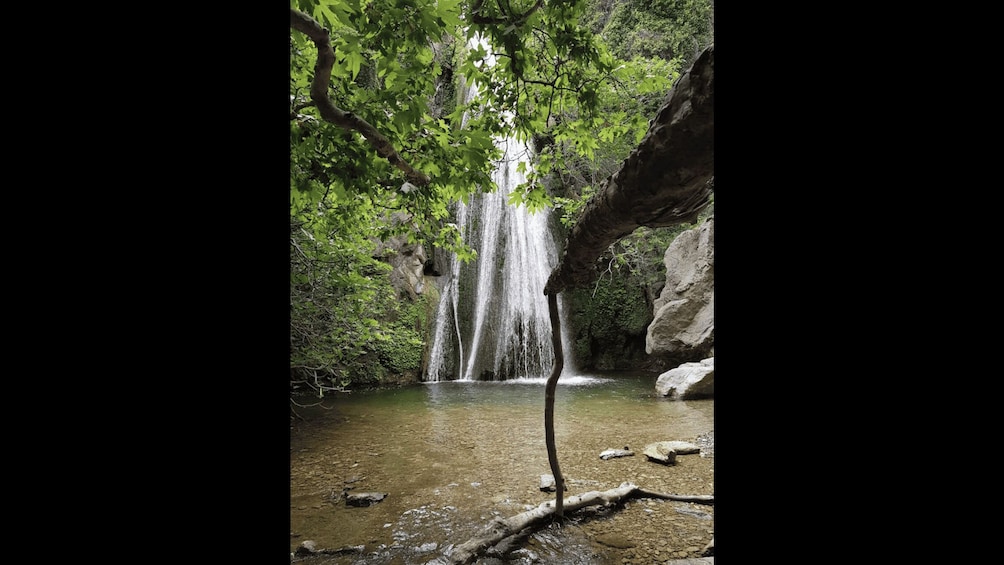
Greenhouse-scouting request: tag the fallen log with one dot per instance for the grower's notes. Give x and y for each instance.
(502, 528)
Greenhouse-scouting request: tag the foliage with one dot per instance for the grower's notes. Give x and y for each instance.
(610, 320)
(636, 90)
(421, 74)
(347, 324)
(652, 42)
(441, 80)
(665, 29)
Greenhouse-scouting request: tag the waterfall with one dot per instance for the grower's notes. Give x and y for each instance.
(492, 322)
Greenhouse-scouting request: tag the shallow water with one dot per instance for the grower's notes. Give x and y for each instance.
(453, 455)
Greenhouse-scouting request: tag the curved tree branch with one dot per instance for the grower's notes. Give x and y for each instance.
(664, 182)
(331, 113)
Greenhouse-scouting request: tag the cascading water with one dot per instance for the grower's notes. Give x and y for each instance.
(492, 322)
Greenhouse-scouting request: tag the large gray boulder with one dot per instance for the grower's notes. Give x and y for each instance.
(684, 322)
(688, 381)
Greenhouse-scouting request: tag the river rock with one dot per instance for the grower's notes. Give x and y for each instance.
(660, 452)
(682, 447)
(688, 381)
(307, 547)
(611, 453)
(547, 483)
(364, 498)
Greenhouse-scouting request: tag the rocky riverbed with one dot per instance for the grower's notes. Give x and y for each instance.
(449, 475)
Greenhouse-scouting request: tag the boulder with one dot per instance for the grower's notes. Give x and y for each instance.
(689, 381)
(683, 326)
(660, 452)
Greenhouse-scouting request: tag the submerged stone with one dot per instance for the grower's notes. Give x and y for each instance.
(364, 498)
(547, 483)
(612, 453)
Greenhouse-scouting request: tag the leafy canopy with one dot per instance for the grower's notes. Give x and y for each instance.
(440, 81)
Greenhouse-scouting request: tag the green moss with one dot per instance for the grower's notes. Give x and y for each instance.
(609, 321)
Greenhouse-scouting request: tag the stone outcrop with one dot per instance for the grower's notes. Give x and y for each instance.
(409, 265)
(684, 324)
(688, 381)
(408, 261)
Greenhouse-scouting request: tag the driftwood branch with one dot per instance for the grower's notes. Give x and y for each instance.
(500, 529)
(333, 114)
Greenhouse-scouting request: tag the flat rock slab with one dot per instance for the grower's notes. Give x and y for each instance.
(364, 498)
(611, 453)
(694, 561)
(660, 452)
(682, 447)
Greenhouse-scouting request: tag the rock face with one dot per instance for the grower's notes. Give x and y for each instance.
(688, 381)
(407, 259)
(684, 323)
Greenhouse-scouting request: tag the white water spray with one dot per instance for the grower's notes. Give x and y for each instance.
(492, 322)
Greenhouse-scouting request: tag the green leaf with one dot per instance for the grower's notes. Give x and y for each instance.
(354, 61)
(424, 56)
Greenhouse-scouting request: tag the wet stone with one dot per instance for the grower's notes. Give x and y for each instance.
(612, 453)
(547, 483)
(364, 498)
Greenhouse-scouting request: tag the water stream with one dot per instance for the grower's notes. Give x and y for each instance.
(492, 322)
(452, 455)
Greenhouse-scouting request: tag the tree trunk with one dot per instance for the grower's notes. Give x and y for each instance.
(552, 383)
(663, 182)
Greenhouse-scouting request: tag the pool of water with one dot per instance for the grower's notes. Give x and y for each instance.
(453, 455)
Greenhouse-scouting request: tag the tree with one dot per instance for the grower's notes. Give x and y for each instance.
(366, 139)
(665, 181)
(394, 111)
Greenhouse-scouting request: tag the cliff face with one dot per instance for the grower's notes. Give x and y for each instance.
(683, 328)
